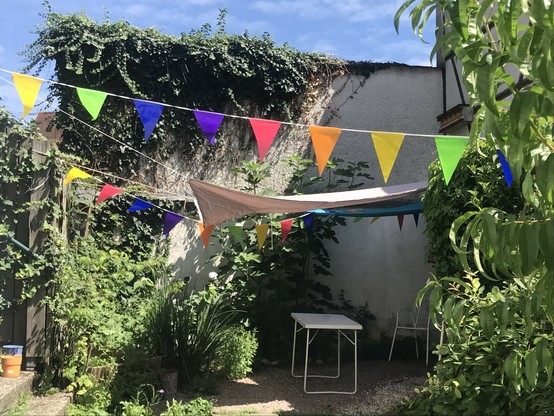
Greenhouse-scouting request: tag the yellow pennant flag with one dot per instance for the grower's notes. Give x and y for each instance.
(75, 173)
(261, 231)
(27, 87)
(387, 146)
(324, 140)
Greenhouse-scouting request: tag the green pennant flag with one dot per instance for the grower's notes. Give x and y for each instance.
(450, 151)
(92, 100)
(236, 231)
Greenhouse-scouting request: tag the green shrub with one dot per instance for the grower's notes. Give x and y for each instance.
(499, 355)
(233, 359)
(175, 408)
(196, 407)
(135, 409)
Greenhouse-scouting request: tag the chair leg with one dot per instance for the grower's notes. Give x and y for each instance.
(392, 345)
(427, 350)
(416, 348)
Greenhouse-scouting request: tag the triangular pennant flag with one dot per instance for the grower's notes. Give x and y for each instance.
(92, 100)
(106, 192)
(324, 140)
(149, 113)
(236, 231)
(416, 218)
(387, 146)
(450, 152)
(139, 205)
(209, 123)
(27, 87)
(73, 174)
(400, 219)
(261, 232)
(265, 131)
(374, 219)
(170, 221)
(286, 225)
(309, 223)
(505, 168)
(205, 233)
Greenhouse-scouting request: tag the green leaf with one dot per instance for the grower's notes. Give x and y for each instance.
(545, 179)
(531, 368)
(529, 246)
(546, 236)
(520, 111)
(399, 13)
(486, 321)
(511, 366)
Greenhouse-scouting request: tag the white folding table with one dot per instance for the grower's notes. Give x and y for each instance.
(317, 322)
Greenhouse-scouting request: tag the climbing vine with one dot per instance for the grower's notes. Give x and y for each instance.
(204, 69)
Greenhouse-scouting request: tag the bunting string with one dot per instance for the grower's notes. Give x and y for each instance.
(125, 145)
(324, 138)
(288, 123)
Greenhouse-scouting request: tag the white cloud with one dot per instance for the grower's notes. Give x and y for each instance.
(352, 10)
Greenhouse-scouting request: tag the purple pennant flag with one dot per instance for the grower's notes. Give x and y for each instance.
(505, 168)
(309, 223)
(149, 113)
(139, 205)
(171, 220)
(209, 123)
(416, 218)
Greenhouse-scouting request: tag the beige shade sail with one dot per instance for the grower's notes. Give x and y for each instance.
(217, 204)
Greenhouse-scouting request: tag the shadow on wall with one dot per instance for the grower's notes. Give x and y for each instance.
(189, 257)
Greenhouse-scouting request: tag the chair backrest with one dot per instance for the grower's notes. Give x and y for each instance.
(422, 317)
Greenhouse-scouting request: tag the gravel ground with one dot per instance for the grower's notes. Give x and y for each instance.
(271, 391)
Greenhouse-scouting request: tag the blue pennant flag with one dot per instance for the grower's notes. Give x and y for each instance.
(505, 168)
(149, 113)
(139, 205)
(309, 223)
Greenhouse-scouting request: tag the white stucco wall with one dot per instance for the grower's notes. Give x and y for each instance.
(375, 263)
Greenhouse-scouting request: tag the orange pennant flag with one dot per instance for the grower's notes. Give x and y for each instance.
(205, 233)
(73, 174)
(27, 87)
(106, 192)
(324, 140)
(387, 146)
(261, 231)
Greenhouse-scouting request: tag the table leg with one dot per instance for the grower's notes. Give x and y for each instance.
(306, 361)
(293, 349)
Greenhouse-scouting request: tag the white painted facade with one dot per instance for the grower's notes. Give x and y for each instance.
(379, 263)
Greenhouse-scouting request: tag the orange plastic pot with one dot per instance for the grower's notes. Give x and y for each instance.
(11, 365)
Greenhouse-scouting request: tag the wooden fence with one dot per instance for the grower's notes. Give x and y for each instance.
(26, 322)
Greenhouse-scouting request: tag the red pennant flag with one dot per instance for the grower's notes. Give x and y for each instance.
(265, 131)
(400, 219)
(107, 192)
(205, 233)
(286, 225)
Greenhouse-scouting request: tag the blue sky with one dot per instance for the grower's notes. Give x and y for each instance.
(359, 30)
